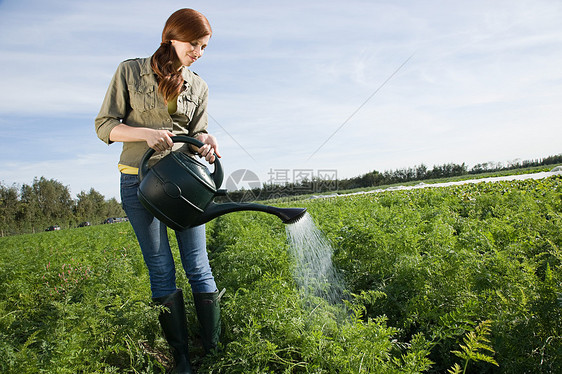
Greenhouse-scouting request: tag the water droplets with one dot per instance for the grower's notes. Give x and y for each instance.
(312, 253)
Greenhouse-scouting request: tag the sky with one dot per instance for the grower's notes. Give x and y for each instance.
(316, 87)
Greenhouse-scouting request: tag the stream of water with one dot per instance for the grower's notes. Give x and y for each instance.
(313, 270)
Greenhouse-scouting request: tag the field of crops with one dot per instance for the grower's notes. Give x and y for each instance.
(456, 279)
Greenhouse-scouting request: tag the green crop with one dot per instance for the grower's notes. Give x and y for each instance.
(75, 301)
(459, 279)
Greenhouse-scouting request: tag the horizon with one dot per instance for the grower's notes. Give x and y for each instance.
(496, 165)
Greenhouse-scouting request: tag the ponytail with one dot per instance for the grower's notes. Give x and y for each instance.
(169, 79)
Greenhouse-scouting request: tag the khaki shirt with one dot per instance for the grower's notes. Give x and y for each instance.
(133, 99)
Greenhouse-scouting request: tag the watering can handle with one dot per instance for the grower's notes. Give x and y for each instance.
(217, 175)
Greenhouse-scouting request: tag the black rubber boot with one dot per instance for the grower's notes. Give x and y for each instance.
(174, 326)
(207, 306)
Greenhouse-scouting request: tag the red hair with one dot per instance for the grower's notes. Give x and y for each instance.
(184, 25)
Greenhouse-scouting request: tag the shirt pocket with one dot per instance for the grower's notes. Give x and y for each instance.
(187, 104)
(143, 97)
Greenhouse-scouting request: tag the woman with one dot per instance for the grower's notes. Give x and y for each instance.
(149, 100)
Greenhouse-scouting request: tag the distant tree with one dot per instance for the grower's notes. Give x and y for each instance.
(90, 206)
(113, 208)
(479, 168)
(46, 202)
(54, 200)
(29, 215)
(9, 204)
(371, 179)
(552, 160)
(421, 172)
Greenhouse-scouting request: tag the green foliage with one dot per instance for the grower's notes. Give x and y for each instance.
(446, 257)
(75, 301)
(476, 347)
(422, 267)
(92, 207)
(270, 328)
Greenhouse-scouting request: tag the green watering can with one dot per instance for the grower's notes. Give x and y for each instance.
(179, 191)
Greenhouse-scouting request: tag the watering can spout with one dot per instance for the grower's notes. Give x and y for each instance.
(213, 210)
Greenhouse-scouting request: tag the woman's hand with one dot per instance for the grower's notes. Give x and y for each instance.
(210, 147)
(159, 140)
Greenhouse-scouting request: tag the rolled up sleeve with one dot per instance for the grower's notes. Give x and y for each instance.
(114, 107)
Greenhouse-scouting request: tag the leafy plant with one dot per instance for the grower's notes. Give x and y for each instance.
(476, 348)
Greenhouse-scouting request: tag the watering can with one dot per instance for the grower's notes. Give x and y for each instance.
(179, 191)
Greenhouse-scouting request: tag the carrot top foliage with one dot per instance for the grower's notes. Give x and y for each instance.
(456, 279)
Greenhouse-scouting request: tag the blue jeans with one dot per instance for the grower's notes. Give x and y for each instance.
(153, 240)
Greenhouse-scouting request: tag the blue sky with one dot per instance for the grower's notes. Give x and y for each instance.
(350, 86)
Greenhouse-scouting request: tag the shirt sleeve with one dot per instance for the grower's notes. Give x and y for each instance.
(114, 106)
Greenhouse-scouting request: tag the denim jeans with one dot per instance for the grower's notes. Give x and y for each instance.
(153, 240)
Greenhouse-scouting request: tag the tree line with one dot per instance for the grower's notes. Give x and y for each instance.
(376, 178)
(421, 172)
(47, 202)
